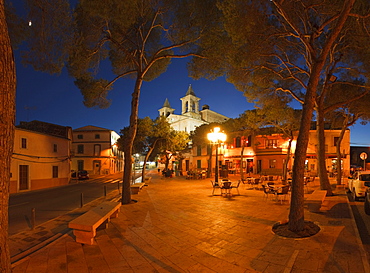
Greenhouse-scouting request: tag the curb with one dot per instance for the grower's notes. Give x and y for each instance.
(364, 257)
(21, 256)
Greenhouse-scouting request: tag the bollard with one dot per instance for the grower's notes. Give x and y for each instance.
(82, 199)
(33, 218)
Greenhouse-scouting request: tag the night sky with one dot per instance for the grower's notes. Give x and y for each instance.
(55, 99)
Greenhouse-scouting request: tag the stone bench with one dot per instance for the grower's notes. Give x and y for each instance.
(135, 188)
(148, 179)
(85, 226)
(315, 200)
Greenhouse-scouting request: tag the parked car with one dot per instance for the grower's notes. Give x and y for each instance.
(358, 184)
(367, 202)
(83, 175)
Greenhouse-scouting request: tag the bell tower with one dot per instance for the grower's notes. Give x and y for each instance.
(190, 104)
(166, 109)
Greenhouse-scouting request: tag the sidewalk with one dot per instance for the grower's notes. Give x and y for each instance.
(178, 226)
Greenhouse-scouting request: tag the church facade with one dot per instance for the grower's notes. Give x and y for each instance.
(191, 116)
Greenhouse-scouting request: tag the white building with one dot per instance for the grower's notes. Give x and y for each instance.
(190, 117)
(94, 149)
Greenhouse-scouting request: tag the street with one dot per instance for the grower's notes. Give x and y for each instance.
(362, 222)
(51, 203)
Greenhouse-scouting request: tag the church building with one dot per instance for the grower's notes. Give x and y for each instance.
(190, 117)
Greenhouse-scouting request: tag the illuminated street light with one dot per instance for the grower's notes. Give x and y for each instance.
(216, 138)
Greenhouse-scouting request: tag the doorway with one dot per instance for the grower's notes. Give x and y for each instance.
(23, 177)
(96, 166)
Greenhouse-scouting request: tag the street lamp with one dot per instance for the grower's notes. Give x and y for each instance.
(216, 138)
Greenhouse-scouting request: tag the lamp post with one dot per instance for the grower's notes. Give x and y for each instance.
(216, 138)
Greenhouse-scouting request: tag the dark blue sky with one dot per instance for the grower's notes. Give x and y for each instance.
(57, 100)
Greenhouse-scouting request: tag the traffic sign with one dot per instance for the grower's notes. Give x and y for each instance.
(363, 156)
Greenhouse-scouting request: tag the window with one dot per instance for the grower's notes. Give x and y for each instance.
(272, 163)
(97, 149)
(55, 148)
(80, 136)
(199, 150)
(271, 143)
(55, 171)
(80, 149)
(199, 164)
(24, 143)
(97, 136)
(249, 141)
(238, 142)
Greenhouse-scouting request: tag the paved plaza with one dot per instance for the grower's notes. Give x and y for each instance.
(177, 225)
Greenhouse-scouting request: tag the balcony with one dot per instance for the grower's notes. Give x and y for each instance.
(271, 150)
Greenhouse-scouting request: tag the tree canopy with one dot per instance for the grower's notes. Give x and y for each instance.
(300, 48)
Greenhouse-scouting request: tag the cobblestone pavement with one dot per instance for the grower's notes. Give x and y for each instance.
(177, 225)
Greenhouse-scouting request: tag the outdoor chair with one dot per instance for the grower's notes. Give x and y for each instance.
(236, 186)
(215, 186)
(245, 181)
(282, 193)
(256, 183)
(226, 188)
(267, 191)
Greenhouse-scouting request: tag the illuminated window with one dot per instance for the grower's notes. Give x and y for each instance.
(271, 143)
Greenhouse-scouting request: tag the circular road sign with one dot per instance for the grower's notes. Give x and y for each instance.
(363, 155)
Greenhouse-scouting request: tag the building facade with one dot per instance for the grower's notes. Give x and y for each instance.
(191, 116)
(41, 157)
(266, 154)
(94, 149)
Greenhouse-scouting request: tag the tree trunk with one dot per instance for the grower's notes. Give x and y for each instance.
(321, 161)
(145, 161)
(339, 156)
(127, 174)
(296, 213)
(285, 166)
(241, 161)
(7, 114)
(151, 149)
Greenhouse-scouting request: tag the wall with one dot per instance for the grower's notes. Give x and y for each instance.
(40, 157)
